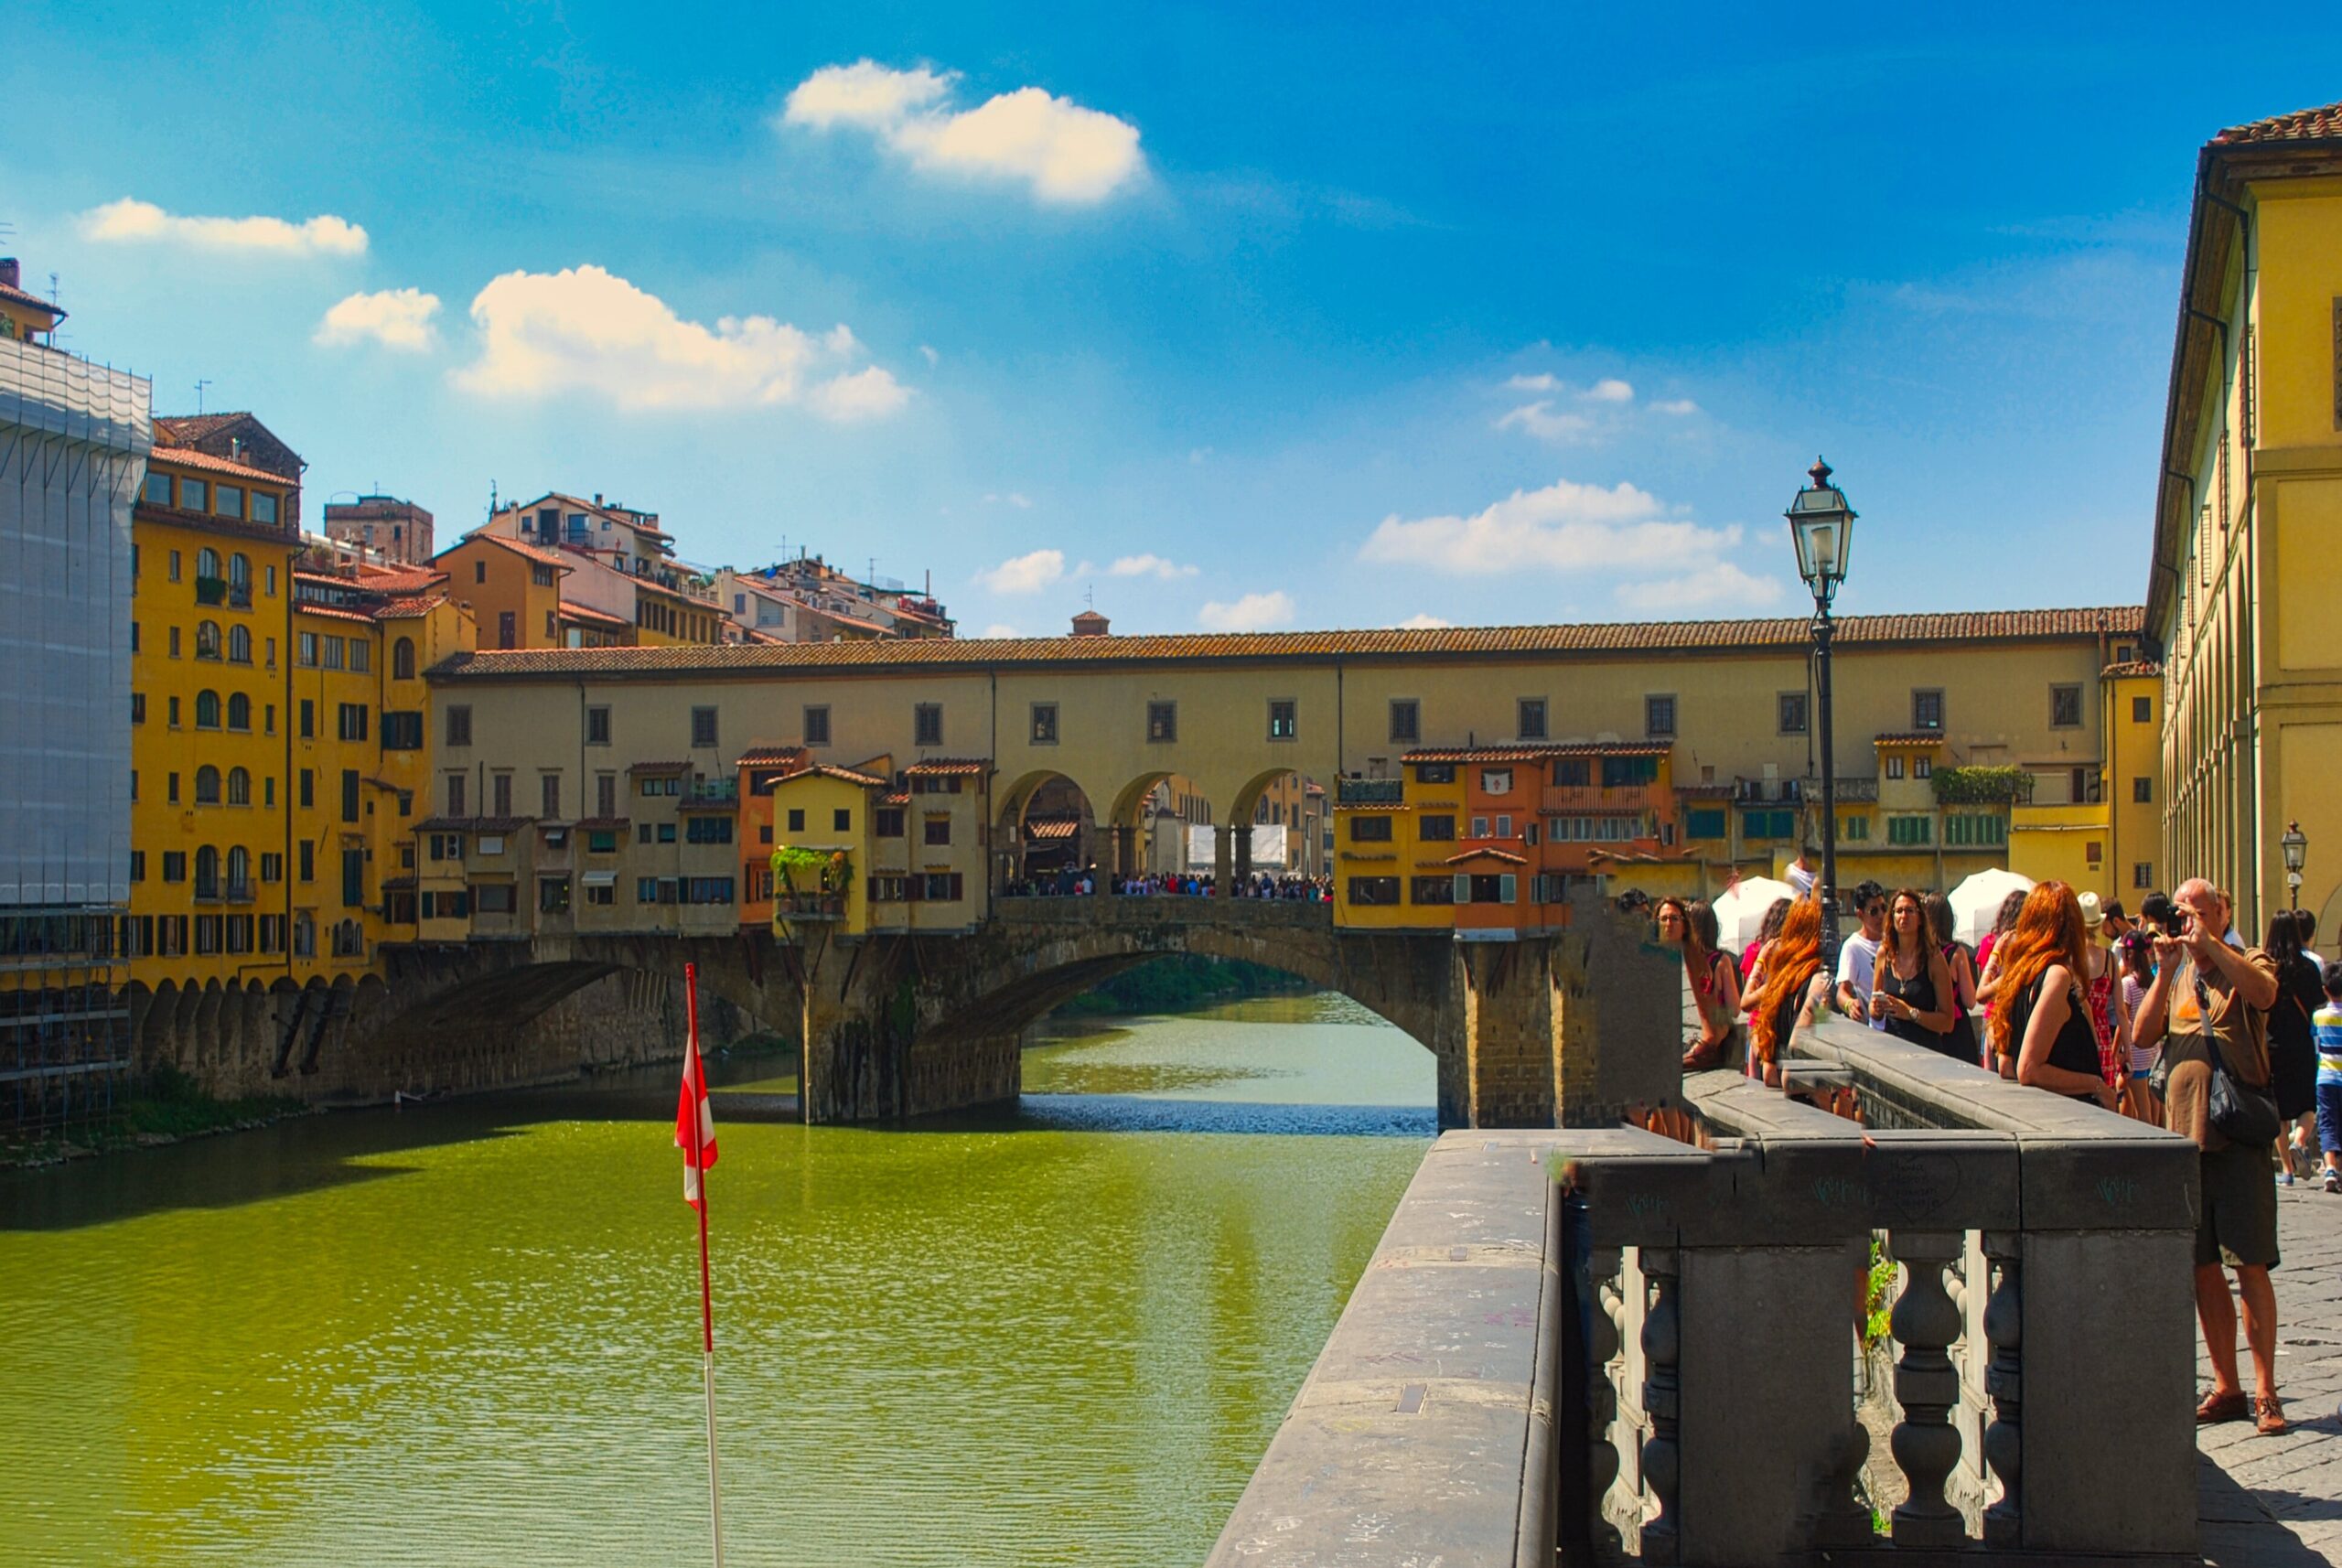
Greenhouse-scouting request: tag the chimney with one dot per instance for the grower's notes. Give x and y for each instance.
(8, 273)
(1089, 623)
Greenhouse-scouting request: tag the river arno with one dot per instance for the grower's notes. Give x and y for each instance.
(466, 1335)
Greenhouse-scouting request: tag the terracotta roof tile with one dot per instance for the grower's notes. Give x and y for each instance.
(949, 766)
(410, 605)
(830, 770)
(548, 557)
(1785, 635)
(2300, 125)
(657, 766)
(186, 429)
(1909, 737)
(332, 612)
(572, 610)
(188, 458)
(771, 755)
(1503, 855)
(1540, 751)
(2135, 667)
(9, 291)
(1063, 828)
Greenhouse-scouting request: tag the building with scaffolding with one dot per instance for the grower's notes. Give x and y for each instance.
(73, 442)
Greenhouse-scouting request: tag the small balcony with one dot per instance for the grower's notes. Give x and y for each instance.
(212, 590)
(1368, 791)
(793, 905)
(723, 791)
(219, 890)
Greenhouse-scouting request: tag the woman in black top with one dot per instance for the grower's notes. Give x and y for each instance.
(2047, 1015)
(1911, 987)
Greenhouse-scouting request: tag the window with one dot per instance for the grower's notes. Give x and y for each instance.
(402, 732)
(926, 725)
(817, 726)
(460, 726)
(2142, 874)
(1894, 766)
(2143, 709)
(1910, 830)
(349, 794)
(842, 820)
(307, 857)
(402, 659)
(1767, 824)
(194, 496)
(331, 648)
(888, 822)
(2065, 707)
(707, 829)
(495, 897)
(138, 707)
(307, 656)
(1370, 830)
(541, 574)
(206, 709)
(207, 640)
(1479, 827)
(939, 830)
(500, 794)
(138, 866)
(240, 644)
(796, 819)
(602, 840)
(1282, 720)
(239, 786)
(1161, 721)
(1500, 889)
(170, 787)
(1923, 767)
(553, 895)
(350, 721)
(1659, 716)
(354, 878)
(1792, 712)
(603, 892)
(1971, 829)
(265, 511)
(1855, 828)
(1431, 890)
(549, 790)
(228, 501)
(2143, 791)
(174, 643)
(308, 725)
(175, 866)
(308, 782)
(1927, 710)
(1532, 719)
(361, 655)
(1375, 890)
(508, 628)
(1704, 823)
(206, 786)
(606, 795)
(1044, 724)
(1496, 780)
(157, 491)
(1406, 722)
(1439, 829)
(2084, 786)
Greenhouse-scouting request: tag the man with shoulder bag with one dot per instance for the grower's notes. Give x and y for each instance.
(2210, 1005)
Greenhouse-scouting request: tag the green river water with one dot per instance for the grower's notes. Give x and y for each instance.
(467, 1334)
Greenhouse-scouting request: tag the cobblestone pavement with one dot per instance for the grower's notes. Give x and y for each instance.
(2278, 1500)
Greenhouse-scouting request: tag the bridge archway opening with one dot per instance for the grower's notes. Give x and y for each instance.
(1277, 825)
(1046, 836)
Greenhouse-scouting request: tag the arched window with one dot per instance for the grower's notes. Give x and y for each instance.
(239, 642)
(206, 709)
(240, 870)
(239, 570)
(402, 659)
(207, 640)
(207, 872)
(207, 562)
(240, 711)
(239, 790)
(207, 787)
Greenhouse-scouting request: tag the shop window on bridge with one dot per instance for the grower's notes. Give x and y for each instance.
(1434, 773)
(1910, 830)
(888, 823)
(1370, 830)
(1572, 772)
(1974, 828)
(1436, 829)
(1161, 721)
(1619, 772)
(1773, 824)
(707, 829)
(496, 898)
(937, 887)
(1430, 890)
(1374, 890)
(553, 895)
(602, 840)
(1502, 887)
(1704, 823)
(889, 889)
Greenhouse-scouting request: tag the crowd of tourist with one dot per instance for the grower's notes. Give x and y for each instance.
(1072, 882)
(2169, 1016)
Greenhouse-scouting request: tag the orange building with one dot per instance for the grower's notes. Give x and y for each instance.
(513, 589)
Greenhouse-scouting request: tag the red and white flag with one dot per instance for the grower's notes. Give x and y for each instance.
(695, 1123)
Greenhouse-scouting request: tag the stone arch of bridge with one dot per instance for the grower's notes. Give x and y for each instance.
(1045, 793)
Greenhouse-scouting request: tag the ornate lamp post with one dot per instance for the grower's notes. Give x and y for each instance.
(1822, 525)
(2294, 843)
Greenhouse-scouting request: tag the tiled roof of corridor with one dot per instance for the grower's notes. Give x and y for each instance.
(1784, 633)
(1538, 751)
(2300, 125)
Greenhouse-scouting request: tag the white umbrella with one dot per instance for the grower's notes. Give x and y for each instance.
(1976, 902)
(1740, 908)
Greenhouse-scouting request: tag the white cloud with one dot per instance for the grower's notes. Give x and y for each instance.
(1149, 566)
(1716, 583)
(585, 329)
(1565, 527)
(932, 356)
(1539, 420)
(1025, 573)
(128, 222)
(1610, 389)
(1061, 151)
(1198, 457)
(1420, 622)
(1017, 499)
(1542, 383)
(1680, 405)
(395, 318)
(1253, 612)
(1001, 628)
(870, 392)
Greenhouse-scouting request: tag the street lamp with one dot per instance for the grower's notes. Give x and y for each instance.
(1822, 526)
(2294, 845)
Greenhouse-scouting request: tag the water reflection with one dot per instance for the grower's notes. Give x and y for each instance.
(466, 1332)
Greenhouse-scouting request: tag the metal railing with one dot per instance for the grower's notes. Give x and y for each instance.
(1368, 791)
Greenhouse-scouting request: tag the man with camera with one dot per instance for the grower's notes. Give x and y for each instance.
(2210, 1005)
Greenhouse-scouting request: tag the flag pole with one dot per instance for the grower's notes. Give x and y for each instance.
(707, 1295)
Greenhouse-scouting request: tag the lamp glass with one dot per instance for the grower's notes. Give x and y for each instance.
(2296, 846)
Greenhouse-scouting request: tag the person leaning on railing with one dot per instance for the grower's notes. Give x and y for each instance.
(1689, 927)
(1793, 986)
(2042, 1025)
(2210, 1005)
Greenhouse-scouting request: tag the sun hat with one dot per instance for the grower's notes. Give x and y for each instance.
(2091, 916)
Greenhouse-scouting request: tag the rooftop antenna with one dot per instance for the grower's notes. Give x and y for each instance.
(491, 498)
(198, 395)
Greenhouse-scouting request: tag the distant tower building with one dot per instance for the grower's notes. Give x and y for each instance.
(400, 529)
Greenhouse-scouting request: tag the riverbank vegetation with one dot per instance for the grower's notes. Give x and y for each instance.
(163, 1108)
(1181, 982)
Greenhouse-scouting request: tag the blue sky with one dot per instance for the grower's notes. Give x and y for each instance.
(1320, 318)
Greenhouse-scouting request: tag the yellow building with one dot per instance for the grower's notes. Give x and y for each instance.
(212, 826)
(2245, 575)
(25, 316)
(513, 589)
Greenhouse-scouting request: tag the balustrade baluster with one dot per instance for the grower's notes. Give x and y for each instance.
(1924, 1444)
(1601, 1403)
(2003, 1381)
(1662, 1348)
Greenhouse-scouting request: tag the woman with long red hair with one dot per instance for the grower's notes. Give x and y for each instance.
(1792, 984)
(2042, 1027)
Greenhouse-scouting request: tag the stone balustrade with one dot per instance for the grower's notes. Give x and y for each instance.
(1604, 1342)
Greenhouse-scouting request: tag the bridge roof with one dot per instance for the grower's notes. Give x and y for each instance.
(1539, 751)
(1783, 633)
